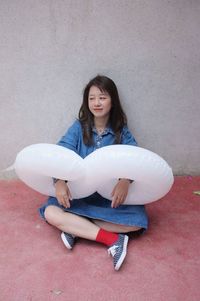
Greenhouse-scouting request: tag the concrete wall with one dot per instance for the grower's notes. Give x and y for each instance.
(49, 49)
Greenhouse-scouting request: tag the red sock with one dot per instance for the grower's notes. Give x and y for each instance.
(106, 237)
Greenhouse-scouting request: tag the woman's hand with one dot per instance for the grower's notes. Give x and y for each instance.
(120, 192)
(63, 194)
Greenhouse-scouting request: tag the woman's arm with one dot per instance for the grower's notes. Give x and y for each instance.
(71, 137)
(120, 192)
(63, 194)
(127, 137)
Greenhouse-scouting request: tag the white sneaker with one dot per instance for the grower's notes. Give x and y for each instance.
(118, 251)
(68, 240)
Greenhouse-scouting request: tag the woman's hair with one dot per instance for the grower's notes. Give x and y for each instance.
(117, 117)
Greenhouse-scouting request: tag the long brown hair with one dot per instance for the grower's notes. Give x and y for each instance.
(117, 117)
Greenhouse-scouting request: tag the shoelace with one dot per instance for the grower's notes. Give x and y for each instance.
(112, 250)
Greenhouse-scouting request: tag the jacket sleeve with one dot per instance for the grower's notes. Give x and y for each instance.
(127, 137)
(71, 137)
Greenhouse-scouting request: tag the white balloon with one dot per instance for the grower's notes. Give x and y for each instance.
(152, 176)
(37, 164)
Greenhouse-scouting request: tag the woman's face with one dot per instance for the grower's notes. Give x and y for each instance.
(99, 103)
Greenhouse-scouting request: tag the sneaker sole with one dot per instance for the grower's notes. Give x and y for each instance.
(123, 255)
(67, 245)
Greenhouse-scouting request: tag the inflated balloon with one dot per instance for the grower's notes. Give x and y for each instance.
(37, 164)
(152, 176)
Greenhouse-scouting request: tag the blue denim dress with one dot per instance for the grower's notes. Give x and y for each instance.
(95, 206)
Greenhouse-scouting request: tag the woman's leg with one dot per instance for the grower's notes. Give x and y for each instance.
(71, 223)
(82, 227)
(115, 227)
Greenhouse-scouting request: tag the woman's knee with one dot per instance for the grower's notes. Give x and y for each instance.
(52, 215)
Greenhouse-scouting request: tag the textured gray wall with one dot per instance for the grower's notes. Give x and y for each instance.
(49, 49)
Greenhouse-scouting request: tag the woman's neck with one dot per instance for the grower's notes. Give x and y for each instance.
(100, 124)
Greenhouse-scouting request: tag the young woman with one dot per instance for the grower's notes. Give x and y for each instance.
(101, 122)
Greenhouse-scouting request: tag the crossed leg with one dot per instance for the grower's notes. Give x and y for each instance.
(80, 226)
(95, 230)
(71, 223)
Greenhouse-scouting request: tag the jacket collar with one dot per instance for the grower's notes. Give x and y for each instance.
(107, 130)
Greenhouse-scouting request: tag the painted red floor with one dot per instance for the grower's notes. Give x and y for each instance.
(163, 264)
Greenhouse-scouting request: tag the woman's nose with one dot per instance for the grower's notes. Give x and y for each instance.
(97, 102)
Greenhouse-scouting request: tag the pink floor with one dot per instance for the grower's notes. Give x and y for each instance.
(162, 265)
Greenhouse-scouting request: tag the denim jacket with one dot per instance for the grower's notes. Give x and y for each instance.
(73, 139)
